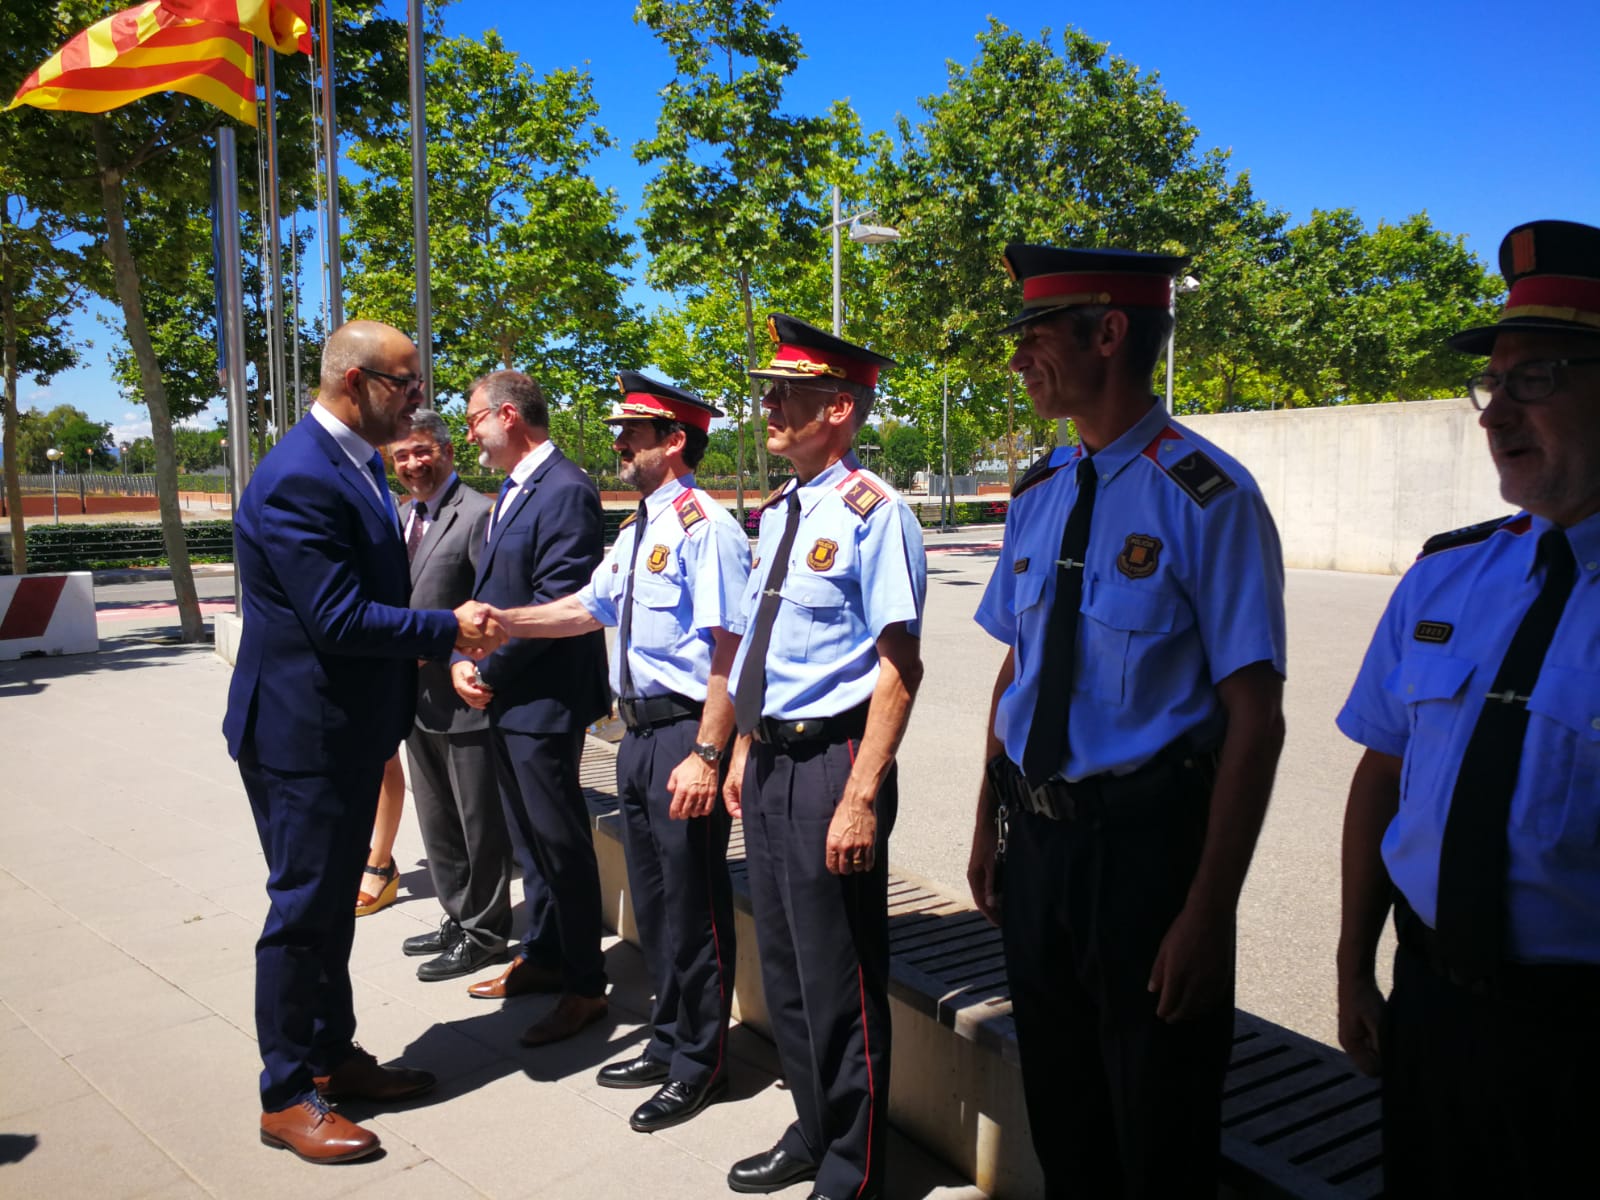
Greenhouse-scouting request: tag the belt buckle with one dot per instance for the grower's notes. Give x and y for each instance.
(1041, 803)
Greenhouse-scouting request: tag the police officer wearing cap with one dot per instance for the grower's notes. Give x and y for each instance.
(672, 584)
(823, 685)
(1133, 736)
(1475, 810)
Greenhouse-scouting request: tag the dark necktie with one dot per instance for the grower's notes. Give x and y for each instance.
(625, 625)
(375, 466)
(419, 514)
(1471, 919)
(499, 502)
(1046, 750)
(752, 694)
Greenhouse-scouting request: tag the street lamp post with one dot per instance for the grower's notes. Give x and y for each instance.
(861, 235)
(54, 456)
(122, 453)
(1182, 288)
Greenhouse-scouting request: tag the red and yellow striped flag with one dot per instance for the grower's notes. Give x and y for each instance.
(285, 25)
(142, 50)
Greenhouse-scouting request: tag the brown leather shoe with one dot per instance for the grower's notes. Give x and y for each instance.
(571, 1015)
(359, 1077)
(521, 978)
(316, 1133)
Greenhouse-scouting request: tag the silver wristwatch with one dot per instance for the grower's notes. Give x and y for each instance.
(710, 752)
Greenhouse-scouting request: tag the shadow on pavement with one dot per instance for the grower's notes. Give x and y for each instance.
(14, 1147)
(29, 676)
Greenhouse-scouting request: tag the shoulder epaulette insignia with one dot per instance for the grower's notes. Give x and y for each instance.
(1200, 478)
(628, 520)
(778, 494)
(859, 495)
(1038, 472)
(689, 511)
(1467, 535)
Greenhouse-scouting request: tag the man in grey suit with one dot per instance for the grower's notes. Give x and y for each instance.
(452, 763)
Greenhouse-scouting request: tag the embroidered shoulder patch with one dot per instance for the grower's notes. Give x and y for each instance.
(776, 496)
(628, 520)
(1469, 535)
(860, 497)
(690, 513)
(1200, 478)
(1037, 473)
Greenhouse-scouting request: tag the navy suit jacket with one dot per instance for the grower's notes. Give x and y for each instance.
(327, 666)
(545, 546)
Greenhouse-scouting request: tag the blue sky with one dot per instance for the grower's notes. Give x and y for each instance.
(1482, 115)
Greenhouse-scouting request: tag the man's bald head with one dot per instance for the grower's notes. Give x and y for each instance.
(357, 344)
(371, 379)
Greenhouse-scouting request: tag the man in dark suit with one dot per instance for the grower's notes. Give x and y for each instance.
(545, 540)
(452, 763)
(323, 691)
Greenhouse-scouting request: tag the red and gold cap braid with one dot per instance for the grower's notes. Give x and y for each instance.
(1555, 297)
(1123, 288)
(822, 364)
(647, 406)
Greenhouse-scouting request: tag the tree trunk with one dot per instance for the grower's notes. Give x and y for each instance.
(12, 425)
(756, 415)
(150, 383)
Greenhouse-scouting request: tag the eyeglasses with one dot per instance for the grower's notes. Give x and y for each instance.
(410, 383)
(1525, 383)
(474, 419)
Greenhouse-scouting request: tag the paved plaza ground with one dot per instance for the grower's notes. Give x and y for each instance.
(131, 885)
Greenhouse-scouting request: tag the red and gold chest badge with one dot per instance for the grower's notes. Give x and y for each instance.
(1139, 556)
(657, 562)
(822, 554)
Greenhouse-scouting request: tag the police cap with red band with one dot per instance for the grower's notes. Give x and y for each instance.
(646, 399)
(805, 352)
(1552, 269)
(1054, 280)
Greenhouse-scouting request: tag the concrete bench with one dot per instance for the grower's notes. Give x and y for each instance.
(1297, 1119)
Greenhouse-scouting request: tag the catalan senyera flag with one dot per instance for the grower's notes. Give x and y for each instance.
(285, 25)
(143, 50)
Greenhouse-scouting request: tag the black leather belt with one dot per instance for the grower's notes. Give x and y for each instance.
(644, 713)
(1549, 986)
(1085, 799)
(822, 730)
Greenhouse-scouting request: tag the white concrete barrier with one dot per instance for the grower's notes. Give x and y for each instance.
(47, 614)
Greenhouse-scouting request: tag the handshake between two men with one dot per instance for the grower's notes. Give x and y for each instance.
(480, 629)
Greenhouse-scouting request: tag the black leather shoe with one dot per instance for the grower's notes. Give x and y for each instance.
(770, 1171)
(465, 957)
(676, 1103)
(643, 1071)
(435, 941)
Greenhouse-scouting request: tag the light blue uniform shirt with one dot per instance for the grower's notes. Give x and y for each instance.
(1433, 658)
(1178, 594)
(852, 574)
(693, 562)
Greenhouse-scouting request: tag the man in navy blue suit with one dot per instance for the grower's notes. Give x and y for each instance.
(322, 694)
(545, 540)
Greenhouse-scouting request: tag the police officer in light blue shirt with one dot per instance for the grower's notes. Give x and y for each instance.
(823, 686)
(1476, 807)
(672, 586)
(1135, 730)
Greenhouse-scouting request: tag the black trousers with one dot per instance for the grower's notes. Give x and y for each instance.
(549, 822)
(682, 904)
(824, 944)
(1121, 1103)
(1488, 1095)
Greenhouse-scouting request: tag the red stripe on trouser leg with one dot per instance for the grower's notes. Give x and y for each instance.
(32, 606)
(872, 1092)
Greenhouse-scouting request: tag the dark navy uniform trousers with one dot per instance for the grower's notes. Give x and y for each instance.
(682, 905)
(314, 831)
(824, 945)
(1121, 1103)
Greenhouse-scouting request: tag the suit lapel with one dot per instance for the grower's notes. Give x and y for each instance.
(353, 477)
(514, 505)
(441, 523)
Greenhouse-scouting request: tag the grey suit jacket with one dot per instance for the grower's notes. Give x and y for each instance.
(441, 577)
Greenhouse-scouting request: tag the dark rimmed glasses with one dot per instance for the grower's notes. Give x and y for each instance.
(1525, 383)
(410, 383)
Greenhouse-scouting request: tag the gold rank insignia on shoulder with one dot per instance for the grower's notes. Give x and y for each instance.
(657, 562)
(861, 497)
(628, 520)
(690, 513)
(1139, 556)
(822, 554)
(1437, 632)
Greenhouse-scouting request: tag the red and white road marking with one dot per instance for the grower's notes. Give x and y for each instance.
(50, 614)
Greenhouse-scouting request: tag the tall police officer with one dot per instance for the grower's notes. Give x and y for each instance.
(1479, 705)
(823, 687)
(672, 584)
(1133, 737)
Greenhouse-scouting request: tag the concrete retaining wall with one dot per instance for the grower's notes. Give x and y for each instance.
(1361, 487)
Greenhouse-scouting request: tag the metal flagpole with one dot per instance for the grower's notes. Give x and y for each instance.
(316, 176)
(232, 318)
(294, 300)
(838, 298)
(419, 198)
(330, 154)
(280, 400)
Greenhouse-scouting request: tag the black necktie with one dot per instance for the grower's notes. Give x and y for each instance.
(1471, 919)
(419, 513)
(752, 694)
(375, 466)
(1046, 750)
(625, 625)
